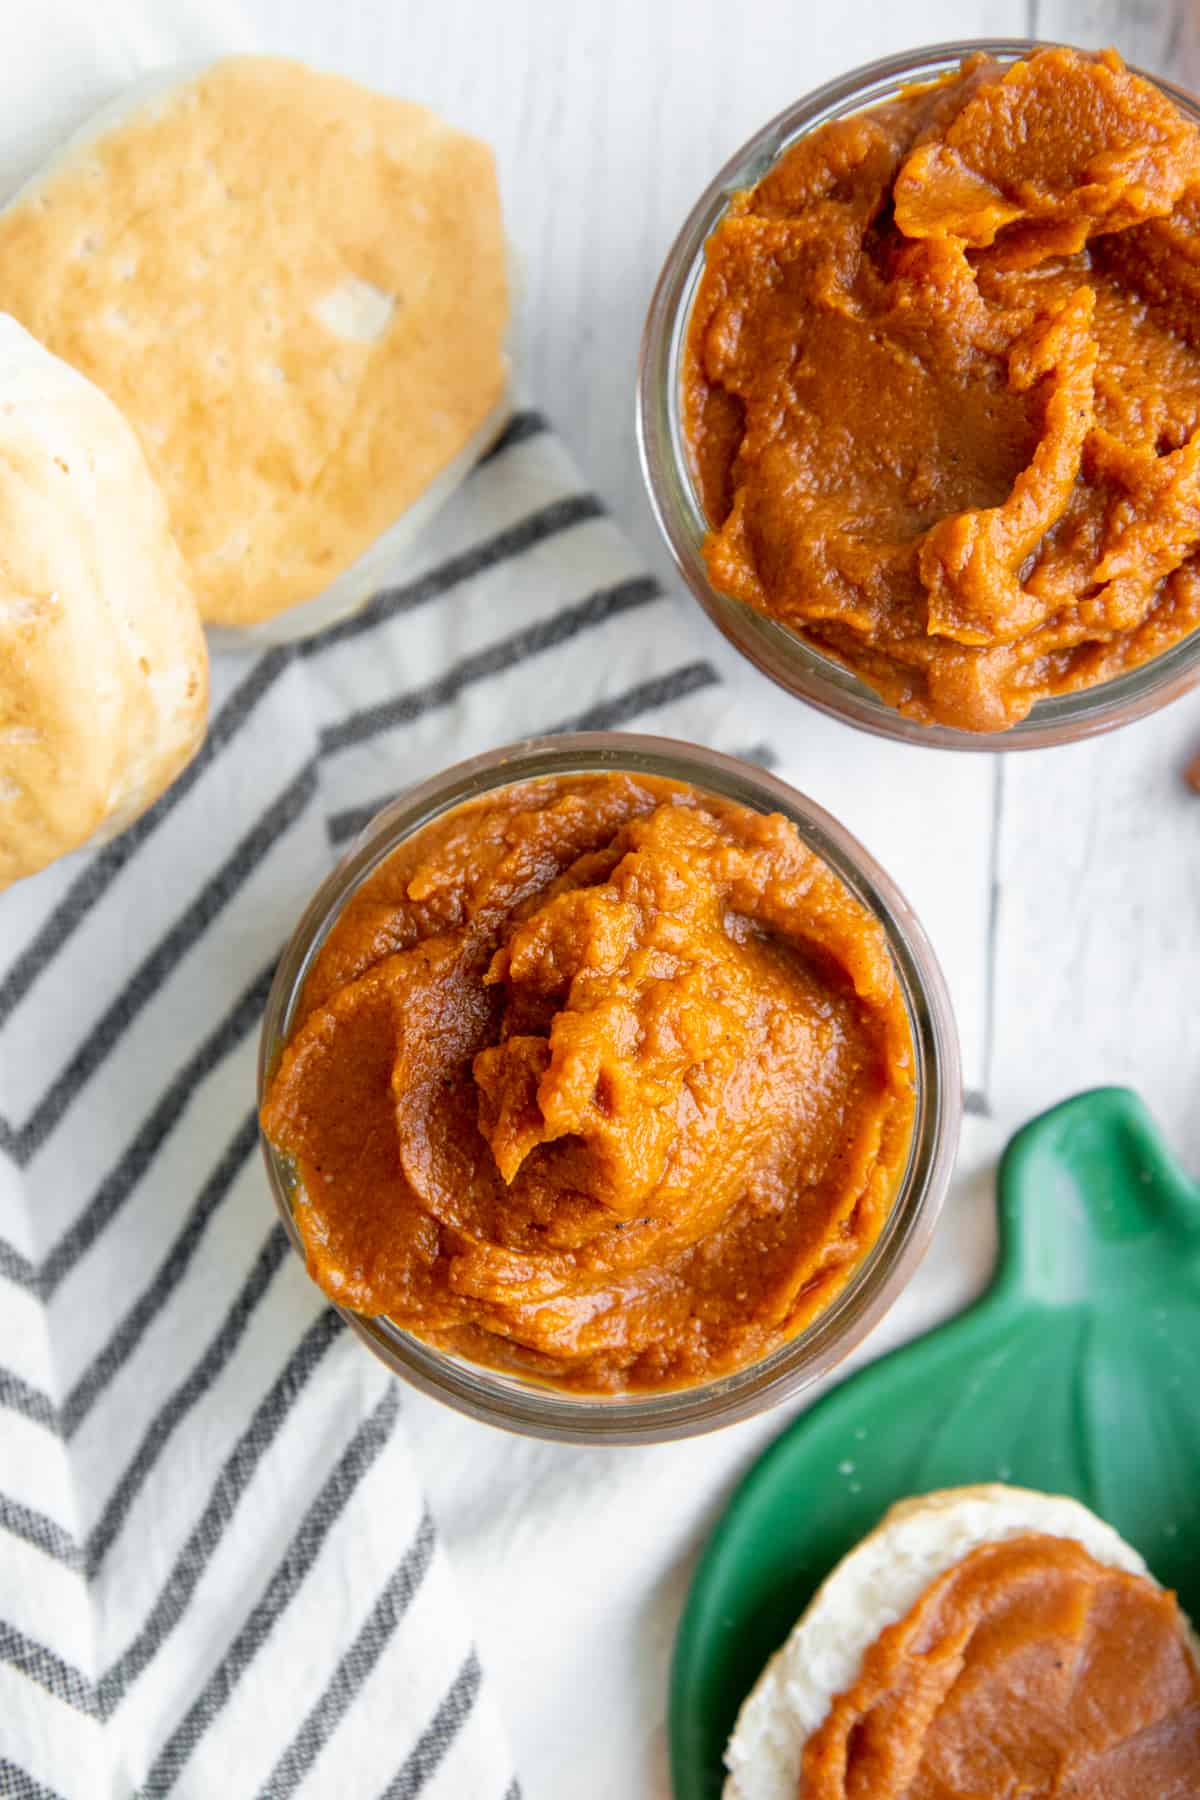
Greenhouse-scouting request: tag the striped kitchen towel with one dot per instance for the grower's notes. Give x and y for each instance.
(217, 1576)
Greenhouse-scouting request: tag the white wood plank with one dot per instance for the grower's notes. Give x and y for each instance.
(1098, 971)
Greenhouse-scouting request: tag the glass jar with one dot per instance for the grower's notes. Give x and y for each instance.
(525, 1404)
(674, 497)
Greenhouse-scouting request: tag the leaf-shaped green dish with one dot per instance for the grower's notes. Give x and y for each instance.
(1078, 1372)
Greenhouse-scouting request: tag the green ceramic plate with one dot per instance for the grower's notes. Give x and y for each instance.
(1077, 1372)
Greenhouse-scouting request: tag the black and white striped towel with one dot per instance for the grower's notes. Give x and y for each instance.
(217, 1577)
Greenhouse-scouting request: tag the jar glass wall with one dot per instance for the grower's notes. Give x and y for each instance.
(525, 1404)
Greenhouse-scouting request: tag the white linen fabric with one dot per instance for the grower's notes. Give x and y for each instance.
(216, 1571)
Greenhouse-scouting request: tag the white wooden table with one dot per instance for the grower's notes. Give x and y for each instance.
(1063, 887)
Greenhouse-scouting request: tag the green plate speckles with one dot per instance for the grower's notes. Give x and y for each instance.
(1078, 1372)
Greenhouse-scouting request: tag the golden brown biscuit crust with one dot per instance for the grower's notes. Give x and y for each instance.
(103, 671)
(295, 289)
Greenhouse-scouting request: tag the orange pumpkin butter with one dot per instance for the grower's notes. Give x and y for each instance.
(1028, 1671)
(942, 387)
(600, 1078)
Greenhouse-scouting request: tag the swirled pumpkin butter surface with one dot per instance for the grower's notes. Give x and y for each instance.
(1027, 1669)
(942, 387)
(600, 1078)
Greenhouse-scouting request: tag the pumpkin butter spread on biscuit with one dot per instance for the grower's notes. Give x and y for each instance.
(942, 387)
(295, 289)
(981, 1643)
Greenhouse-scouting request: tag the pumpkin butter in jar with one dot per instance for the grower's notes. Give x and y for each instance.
(941, 388)
(599, 1078)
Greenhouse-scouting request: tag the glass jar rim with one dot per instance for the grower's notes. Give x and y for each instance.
(522, 1404)
(670, 484)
